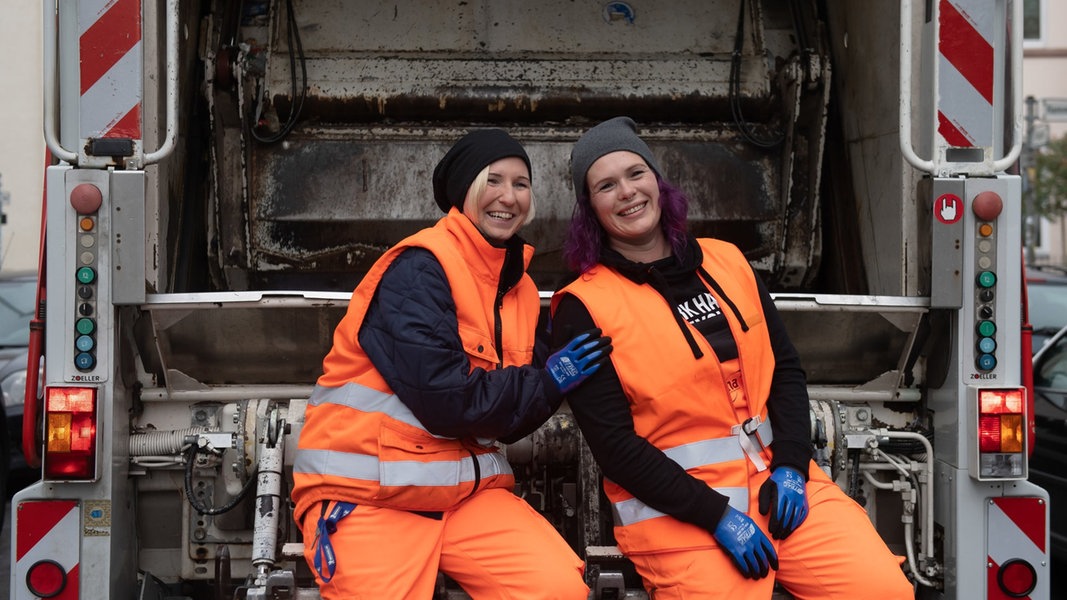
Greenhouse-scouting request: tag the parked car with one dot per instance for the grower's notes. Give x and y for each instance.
(1046, 289)
(18, 294)
(1050, 450)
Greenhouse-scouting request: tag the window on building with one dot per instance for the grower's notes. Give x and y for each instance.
(1034, 22)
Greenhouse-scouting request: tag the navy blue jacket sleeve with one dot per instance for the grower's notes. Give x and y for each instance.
(411, 335)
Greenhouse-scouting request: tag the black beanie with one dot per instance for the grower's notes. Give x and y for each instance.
(473, 152)
(610, 136)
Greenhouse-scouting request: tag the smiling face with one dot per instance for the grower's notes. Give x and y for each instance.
(624, 195)
(504, 203)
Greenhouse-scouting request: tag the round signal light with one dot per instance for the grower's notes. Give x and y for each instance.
(986, 362)
(46, 579)
(986, 328)
(1017, 578)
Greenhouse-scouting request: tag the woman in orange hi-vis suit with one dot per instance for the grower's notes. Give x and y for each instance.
(398, 475)
(700, 420)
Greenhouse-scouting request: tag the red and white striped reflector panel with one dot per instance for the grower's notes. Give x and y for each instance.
(965, 72)
(1016, 547)
(111, 66)
(48, 530)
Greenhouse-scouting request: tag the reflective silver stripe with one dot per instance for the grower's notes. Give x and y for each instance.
(493, 464)
(633, 510)
(340, 464)
(699, 454)
(363, 398)
(399, 473)
(390, 473)
(705, 452)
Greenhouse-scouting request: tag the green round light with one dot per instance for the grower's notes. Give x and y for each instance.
(987, 279)
(86, 275)
(987, 328)
(85, 326)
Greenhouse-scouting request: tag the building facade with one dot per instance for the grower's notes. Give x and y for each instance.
(1045, 81)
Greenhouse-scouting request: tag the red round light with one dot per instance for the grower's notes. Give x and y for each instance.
(46, 578)
(1017, 578)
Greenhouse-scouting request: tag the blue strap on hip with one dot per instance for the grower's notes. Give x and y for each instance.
(322, 547)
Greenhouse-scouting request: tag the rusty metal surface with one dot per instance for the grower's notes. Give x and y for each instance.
(333, 201)
(510, 60)
(549, 26)
(390, 87)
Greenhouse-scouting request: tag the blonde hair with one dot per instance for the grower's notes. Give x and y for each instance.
(477, 188)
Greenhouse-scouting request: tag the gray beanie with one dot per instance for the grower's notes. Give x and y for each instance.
(612, 135)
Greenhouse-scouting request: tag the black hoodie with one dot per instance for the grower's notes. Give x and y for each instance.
(602, 410)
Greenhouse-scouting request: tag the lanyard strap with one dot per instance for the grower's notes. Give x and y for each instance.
(324, 554)
(754, 435)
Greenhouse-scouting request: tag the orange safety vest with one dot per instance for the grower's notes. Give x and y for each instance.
(679, 403)
(360, 443)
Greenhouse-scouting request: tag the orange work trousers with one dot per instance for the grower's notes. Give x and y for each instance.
(495, 546)
(835, 554)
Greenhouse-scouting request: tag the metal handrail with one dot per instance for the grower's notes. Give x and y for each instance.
(904, 129)
(50, 62)
(1017, 89)
(170, 138)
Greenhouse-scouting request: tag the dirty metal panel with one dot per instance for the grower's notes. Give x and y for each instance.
(390, 87)
(684, 88)
(483, 58)
(239, 338)
(334, 201)
(851, 340)
(550, 27)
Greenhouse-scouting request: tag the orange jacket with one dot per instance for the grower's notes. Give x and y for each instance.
(680, 404)
(360, 443)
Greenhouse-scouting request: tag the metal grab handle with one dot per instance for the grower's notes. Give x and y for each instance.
(50, 15)
(1017, 89)
(170, 138)
(904, 129)
(50, 62)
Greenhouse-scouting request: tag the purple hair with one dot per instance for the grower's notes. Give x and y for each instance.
(586, 237)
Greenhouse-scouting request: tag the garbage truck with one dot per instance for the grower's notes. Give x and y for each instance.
(222, 174)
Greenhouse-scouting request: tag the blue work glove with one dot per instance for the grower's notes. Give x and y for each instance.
(746, 543)
(784, 495)
(581, 357)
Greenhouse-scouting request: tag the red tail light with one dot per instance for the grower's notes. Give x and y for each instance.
(1001, 433)
(70, 433)
(46, 578)
(1017, 578)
